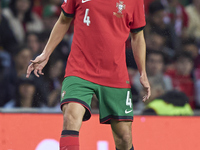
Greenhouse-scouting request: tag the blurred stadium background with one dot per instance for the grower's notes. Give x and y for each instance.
(29, 108)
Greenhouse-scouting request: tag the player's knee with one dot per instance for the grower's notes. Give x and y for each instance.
(71, 120)
(124, 140)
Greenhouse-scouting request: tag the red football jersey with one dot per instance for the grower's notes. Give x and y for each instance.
(101, 28)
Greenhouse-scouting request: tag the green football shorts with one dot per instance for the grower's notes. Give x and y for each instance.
(114, 103)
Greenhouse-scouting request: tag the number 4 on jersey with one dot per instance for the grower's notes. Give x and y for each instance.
(128, 99)
(86, 17)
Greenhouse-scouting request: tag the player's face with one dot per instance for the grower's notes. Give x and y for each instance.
(155, 64)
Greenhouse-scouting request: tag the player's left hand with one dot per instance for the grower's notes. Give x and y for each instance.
(145, 83)
(37, 65)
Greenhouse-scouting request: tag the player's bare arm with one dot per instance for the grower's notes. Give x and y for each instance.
(139, 52)
(57, 34)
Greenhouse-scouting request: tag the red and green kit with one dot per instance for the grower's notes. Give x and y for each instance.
(101, 28)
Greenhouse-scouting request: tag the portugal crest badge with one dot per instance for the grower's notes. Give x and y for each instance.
(63, 94)
(120, 6)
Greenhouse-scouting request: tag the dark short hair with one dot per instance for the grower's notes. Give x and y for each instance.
(155, 7)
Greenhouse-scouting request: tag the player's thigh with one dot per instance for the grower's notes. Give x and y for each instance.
(76, 95)
(115, 103)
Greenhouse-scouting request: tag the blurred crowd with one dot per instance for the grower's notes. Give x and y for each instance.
(172, 35)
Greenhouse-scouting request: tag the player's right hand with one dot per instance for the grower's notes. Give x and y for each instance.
(37, 65)
(145, 83)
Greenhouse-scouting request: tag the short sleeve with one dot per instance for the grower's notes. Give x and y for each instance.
(68, 8)
(138, 22)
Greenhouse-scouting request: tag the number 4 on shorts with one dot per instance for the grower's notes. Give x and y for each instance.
(128, 99)
(86, 17)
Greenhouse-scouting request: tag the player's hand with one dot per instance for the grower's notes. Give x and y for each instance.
(37, 65)
(145, 83)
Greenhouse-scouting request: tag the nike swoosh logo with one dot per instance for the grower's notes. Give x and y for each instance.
(83, 1)
(128, 111)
